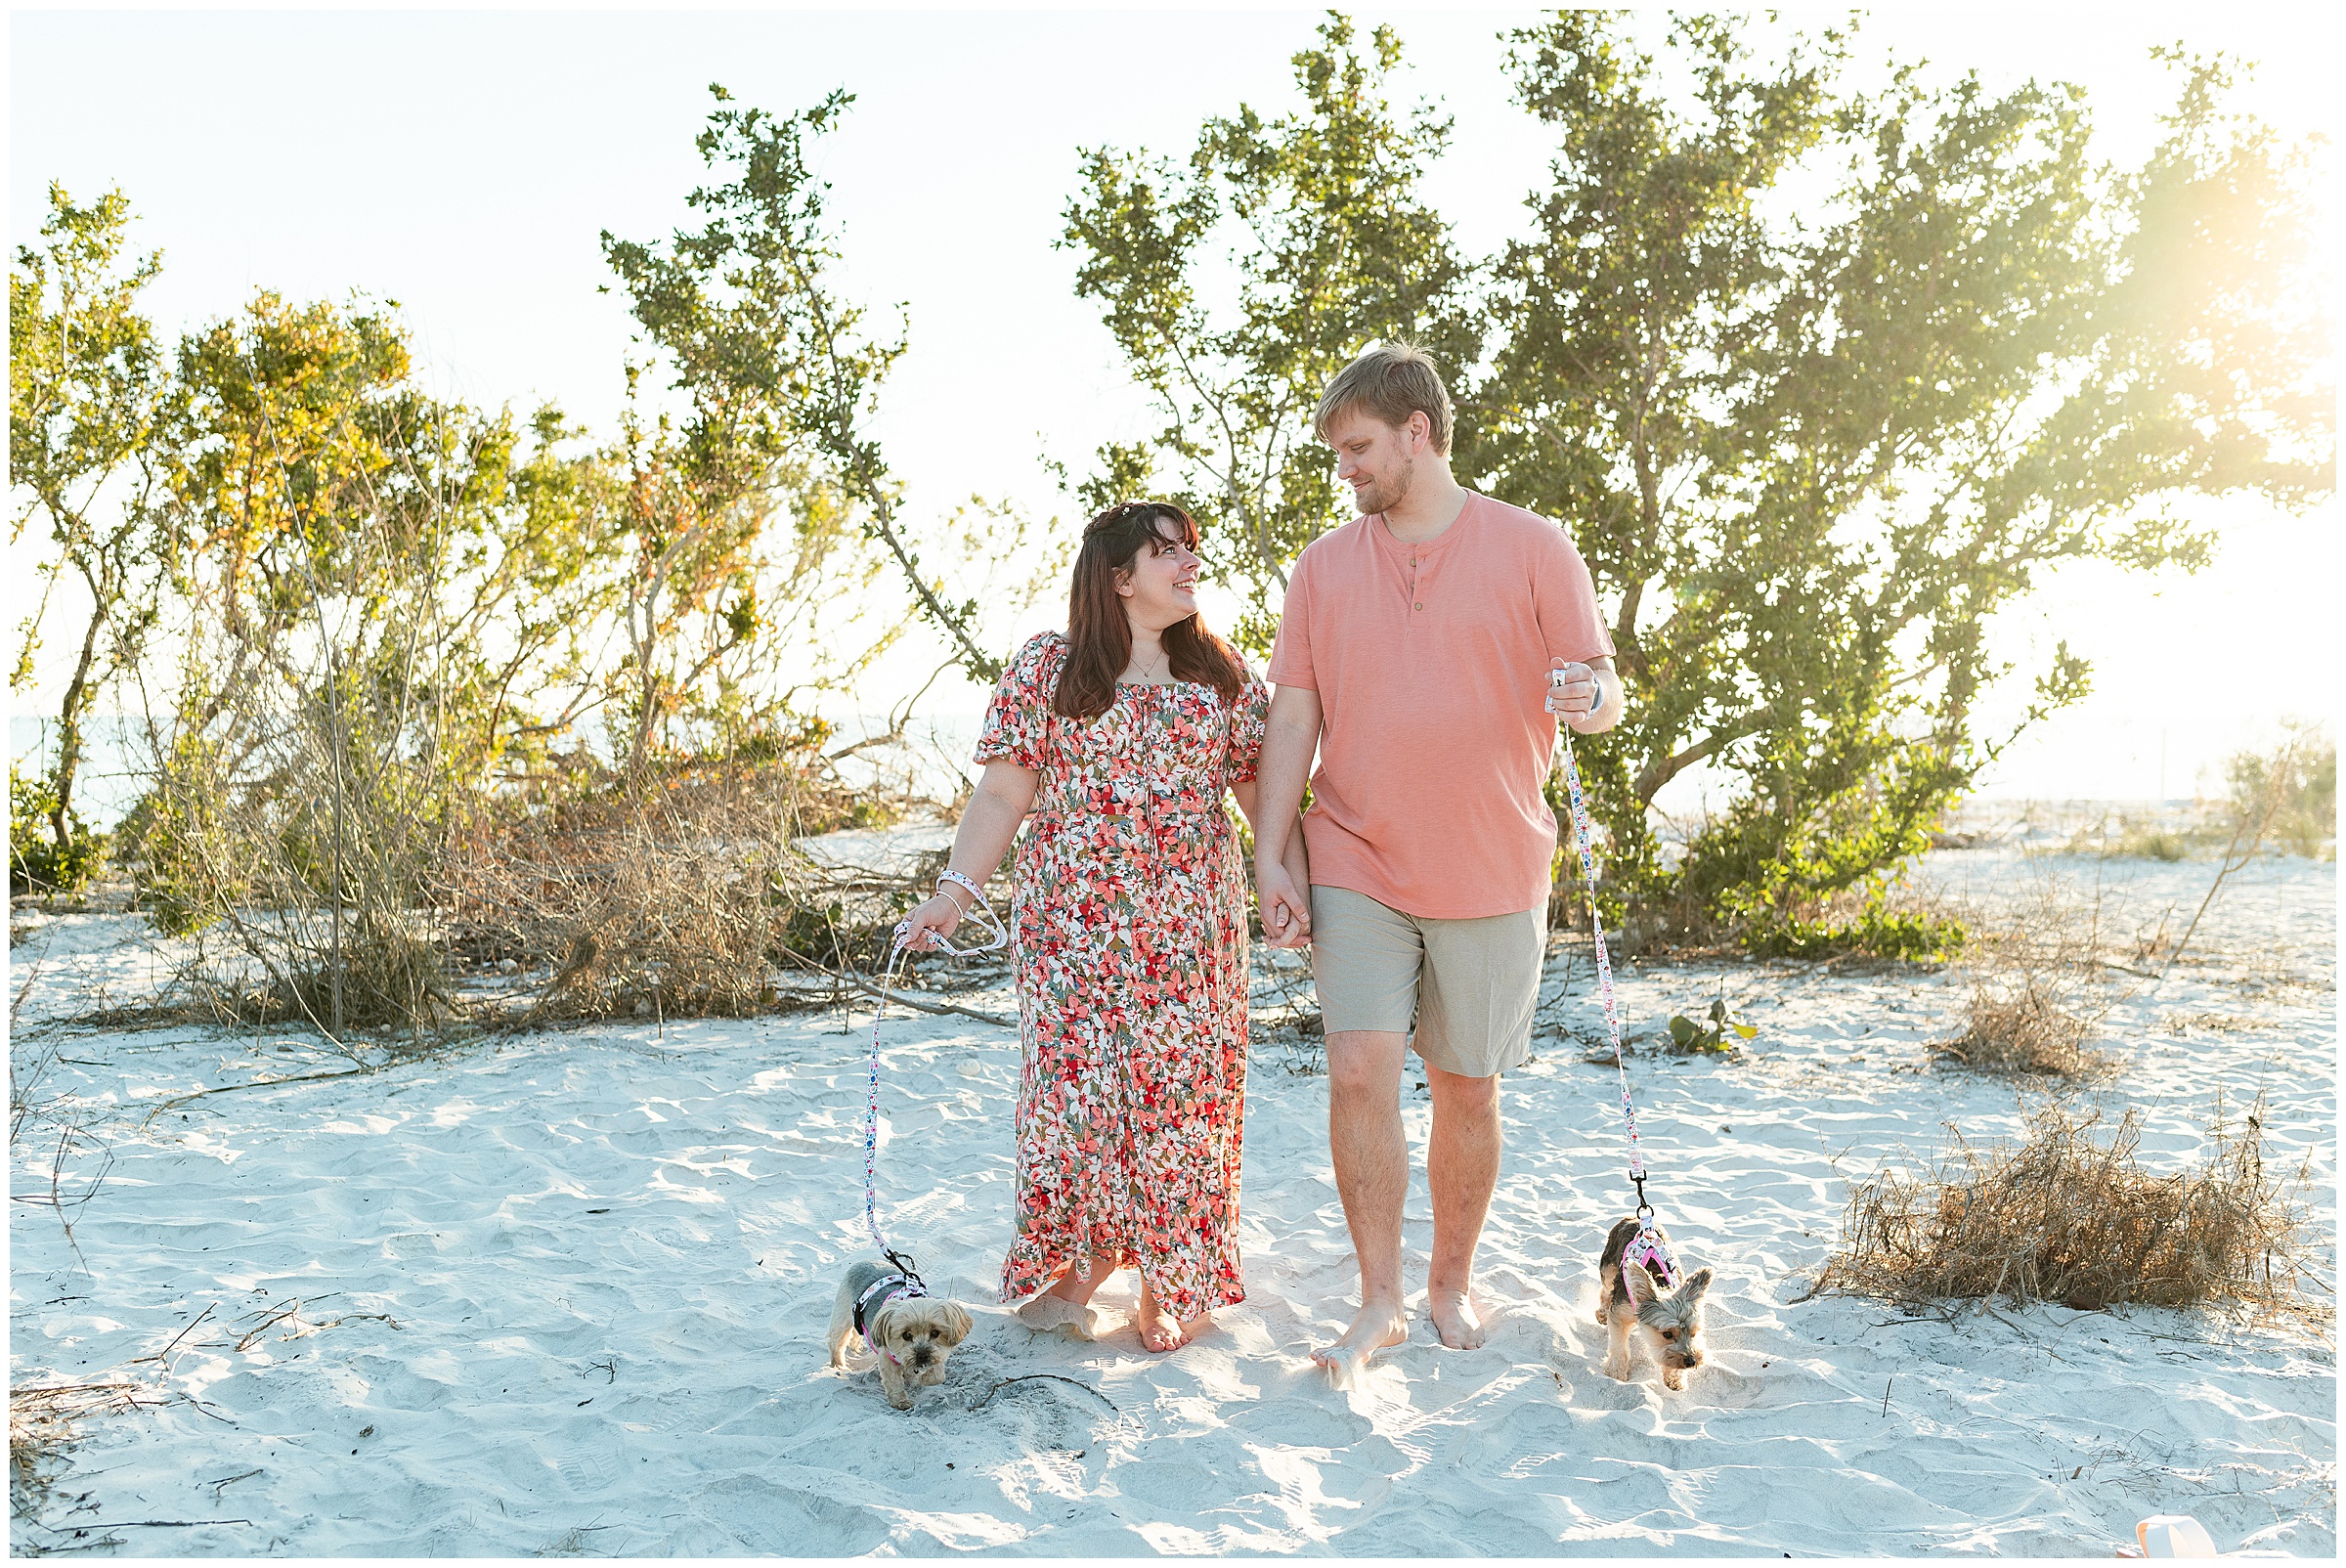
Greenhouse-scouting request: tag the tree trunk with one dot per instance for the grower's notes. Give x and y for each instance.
(334, 717)
(69, 728)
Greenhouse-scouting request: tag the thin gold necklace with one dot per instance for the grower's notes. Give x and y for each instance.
(1163, 657)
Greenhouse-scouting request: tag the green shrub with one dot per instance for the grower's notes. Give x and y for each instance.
(2297, 786)
(35, 862)
(2134, 838)
(164, 845)
(1874, 933)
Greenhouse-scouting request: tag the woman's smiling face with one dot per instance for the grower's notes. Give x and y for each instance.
(1160, 587)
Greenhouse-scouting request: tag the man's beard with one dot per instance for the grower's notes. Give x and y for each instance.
(1382, 495)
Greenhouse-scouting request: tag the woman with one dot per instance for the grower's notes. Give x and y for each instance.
(1129, 906)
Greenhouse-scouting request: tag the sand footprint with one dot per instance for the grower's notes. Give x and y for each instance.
(1300, 1424)
(1049, 1314)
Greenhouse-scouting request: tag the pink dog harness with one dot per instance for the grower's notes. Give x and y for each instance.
(1644, 1250)
(876, 1295)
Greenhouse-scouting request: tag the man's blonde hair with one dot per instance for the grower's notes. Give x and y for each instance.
(1392, 381)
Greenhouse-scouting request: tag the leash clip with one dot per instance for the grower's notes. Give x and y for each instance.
(901, 1262)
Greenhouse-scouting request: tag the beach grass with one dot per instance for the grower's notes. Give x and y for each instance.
(2031, 1029)
(2070, 1213)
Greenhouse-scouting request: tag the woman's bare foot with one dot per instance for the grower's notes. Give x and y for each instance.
(1380, 1323)
(1066, 1302)
(1455, 1318)
(1068, 1286)
(1160, 1333)
(1050, 1314)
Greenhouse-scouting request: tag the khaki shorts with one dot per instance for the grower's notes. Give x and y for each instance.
(1467, 986)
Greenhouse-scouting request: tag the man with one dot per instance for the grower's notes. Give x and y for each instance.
(1415, 652)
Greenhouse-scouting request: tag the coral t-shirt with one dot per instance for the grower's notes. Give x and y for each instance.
(1431, 663)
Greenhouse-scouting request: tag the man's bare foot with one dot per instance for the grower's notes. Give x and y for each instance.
(1381, 1324)
(1455, 1318)
(1160, 1333)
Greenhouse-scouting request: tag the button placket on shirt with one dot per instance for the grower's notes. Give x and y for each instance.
(1409, 567)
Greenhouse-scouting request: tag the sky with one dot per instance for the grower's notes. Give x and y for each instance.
(465, 164)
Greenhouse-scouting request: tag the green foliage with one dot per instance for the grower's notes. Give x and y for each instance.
(1829, 808)
(1809, 463)
(36, 862)
(392, 612)
(1818, 379)
(424, 572)
(781, 378)
(2295, 786)
(1876, 932)
(1332, 245)
(388, 601)
(91, 411)
(1713, 1036)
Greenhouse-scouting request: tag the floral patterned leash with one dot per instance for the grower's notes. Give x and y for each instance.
(899, 944)
(1646, 1248)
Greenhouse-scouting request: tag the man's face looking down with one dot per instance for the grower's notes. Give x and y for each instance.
(1378, 461)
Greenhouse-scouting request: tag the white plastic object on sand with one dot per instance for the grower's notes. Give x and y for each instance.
(2174, 1535)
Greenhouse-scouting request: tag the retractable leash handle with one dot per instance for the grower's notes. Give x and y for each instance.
(1596, 928)
(897, 947)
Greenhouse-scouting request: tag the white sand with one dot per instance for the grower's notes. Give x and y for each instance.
(577, 1287)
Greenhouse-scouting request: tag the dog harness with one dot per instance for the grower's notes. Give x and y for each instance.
(876, 1295)
(1645, 1250)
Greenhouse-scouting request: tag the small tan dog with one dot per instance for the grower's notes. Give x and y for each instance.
(911, 1337)
(1667, 1319)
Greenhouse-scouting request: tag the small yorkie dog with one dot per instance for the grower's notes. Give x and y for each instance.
(1666, 1314)
(909, 1334)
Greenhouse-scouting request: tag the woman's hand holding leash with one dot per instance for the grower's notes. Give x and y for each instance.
(929, 928)
(932, 921)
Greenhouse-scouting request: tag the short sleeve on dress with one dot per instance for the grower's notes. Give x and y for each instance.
(1247, 717)
(1017, 719)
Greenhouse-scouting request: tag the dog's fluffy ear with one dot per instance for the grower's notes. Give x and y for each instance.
(881, 1321)
(1639, 1284)
(957, 1323)
(1696, 1284)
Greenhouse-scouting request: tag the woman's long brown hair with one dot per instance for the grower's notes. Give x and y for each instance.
(1100, 633)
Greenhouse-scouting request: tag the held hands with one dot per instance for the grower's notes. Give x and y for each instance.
(1287, 909)
(1574, 693)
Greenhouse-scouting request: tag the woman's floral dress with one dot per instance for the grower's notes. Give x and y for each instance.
(1130, 912)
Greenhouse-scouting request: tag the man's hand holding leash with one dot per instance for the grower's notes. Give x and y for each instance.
(1588, 697)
